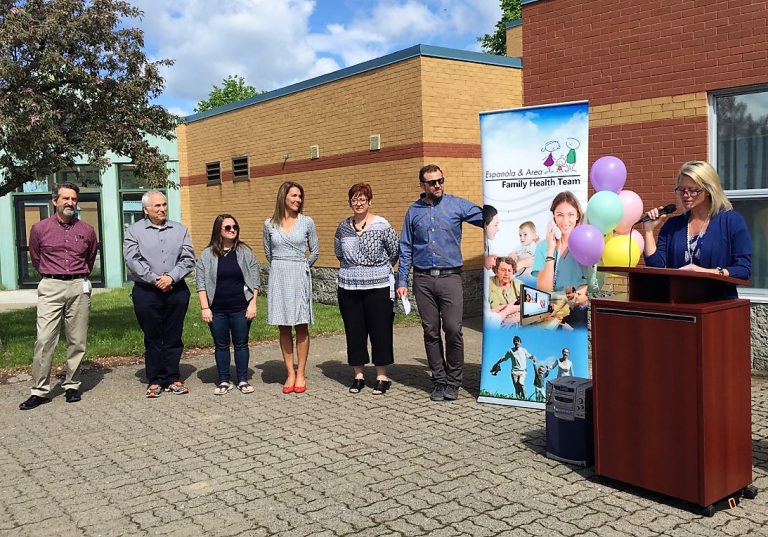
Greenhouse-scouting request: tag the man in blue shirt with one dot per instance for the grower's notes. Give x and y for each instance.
(431, 243)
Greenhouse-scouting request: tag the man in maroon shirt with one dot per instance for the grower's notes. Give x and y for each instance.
(63, 250)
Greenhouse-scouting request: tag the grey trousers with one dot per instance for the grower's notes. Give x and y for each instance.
(441, 305)
(59, 301)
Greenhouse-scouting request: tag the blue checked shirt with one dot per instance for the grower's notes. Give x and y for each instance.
(431, 236)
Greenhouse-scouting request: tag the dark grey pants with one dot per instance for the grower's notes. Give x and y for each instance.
(441, 305)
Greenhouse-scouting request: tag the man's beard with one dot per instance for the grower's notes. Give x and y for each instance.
(66, 211)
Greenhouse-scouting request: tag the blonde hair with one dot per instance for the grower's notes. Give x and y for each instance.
(704, 175)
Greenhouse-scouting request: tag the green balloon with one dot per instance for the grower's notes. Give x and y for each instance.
(604, 211)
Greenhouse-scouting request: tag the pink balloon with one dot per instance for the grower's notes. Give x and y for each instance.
(633, 210)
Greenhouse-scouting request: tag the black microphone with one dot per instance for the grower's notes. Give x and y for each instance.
(671, 208)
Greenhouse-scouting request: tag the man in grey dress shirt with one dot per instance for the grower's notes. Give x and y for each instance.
(159, 254)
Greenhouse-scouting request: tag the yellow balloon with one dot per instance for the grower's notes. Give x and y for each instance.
(621, 251)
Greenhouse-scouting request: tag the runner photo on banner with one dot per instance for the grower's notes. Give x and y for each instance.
(536, 299)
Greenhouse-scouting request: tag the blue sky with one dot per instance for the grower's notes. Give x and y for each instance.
(273, 43)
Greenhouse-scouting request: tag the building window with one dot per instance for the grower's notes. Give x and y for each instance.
(740, 153)
(84, 176)
(213, 173)
(240, 168)
(128, 179)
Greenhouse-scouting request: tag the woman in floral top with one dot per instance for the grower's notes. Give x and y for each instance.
(367, 247)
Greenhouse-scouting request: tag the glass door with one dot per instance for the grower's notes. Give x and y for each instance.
(32, 208)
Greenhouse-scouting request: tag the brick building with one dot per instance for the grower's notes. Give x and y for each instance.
(667, 82)
(377, 122)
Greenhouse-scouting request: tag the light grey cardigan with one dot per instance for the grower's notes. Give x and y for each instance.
(207, 267)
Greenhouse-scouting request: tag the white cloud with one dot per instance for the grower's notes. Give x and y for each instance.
(270, 42)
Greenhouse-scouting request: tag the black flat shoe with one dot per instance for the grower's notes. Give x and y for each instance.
(357, 386)
(381, 387)
(72, 395)
(34, 401)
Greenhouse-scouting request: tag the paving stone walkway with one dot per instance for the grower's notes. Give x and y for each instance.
(323, 463)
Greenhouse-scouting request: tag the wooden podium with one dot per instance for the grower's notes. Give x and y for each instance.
(671, 381)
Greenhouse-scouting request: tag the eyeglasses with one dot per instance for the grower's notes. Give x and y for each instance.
(358, 201)
(232, 228)
(435, 182)
(692, 192)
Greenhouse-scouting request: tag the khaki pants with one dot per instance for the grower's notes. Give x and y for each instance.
(57, 301)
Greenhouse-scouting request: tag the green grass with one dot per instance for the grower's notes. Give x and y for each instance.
(114, 331)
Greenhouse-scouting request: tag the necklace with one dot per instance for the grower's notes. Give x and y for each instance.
(693, 243)
(226, 251)
(361, 227)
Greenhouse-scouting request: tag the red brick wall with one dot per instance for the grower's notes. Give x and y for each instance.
(611, 51)
(652, 152)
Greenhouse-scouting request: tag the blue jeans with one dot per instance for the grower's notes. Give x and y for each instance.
(238, 326)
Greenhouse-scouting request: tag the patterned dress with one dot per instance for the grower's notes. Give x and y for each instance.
(289, 294)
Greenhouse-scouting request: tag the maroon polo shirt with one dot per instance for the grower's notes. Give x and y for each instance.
(63, 249)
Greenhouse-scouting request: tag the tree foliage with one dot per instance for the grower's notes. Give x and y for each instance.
(496, 43)
(233, 89)
(75, 83)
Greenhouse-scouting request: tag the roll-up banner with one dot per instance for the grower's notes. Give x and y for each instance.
(536, 298)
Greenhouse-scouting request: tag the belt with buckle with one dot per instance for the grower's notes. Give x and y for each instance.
(438, 271)
(65, 276)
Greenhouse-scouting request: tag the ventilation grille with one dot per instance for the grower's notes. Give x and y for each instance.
(240, 168)
(374, 142)
(213, 172)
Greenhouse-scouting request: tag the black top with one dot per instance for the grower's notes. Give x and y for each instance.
(230, 297)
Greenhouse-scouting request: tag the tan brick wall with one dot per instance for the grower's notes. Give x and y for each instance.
(427, 105)
(454, 93)
(515, 41)
(644, 110)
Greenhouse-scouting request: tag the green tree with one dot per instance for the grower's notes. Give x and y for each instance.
(496, 43)
(233, 89)
(75, 82)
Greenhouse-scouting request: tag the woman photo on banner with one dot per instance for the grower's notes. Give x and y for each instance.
(553, 265)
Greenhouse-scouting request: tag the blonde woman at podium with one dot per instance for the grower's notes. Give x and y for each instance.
(708, 237)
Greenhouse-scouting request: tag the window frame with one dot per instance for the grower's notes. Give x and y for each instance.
(757, 295)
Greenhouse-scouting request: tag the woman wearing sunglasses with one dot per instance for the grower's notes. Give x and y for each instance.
(228, 282)
(366, 247)
(708, 237)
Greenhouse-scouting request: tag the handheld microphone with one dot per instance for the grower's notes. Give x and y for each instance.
(671, 208)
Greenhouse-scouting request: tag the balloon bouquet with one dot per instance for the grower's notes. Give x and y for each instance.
(611, 213)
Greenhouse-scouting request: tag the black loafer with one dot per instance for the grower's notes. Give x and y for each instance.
(72, 395)
(357, 386)
(34, 401)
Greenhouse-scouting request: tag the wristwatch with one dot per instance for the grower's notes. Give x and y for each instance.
(720, 271)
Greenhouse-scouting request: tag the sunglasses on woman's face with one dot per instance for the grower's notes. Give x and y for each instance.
(232, 228)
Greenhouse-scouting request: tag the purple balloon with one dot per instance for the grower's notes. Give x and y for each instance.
(608, 173)
(586, 244)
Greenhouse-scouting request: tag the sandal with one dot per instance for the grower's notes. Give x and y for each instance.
(381, 387)
(223, 388)
(357, 386)
(154, 391)
(244, 387)
(178, 388)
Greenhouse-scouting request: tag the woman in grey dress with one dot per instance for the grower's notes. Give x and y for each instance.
(287, 237)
